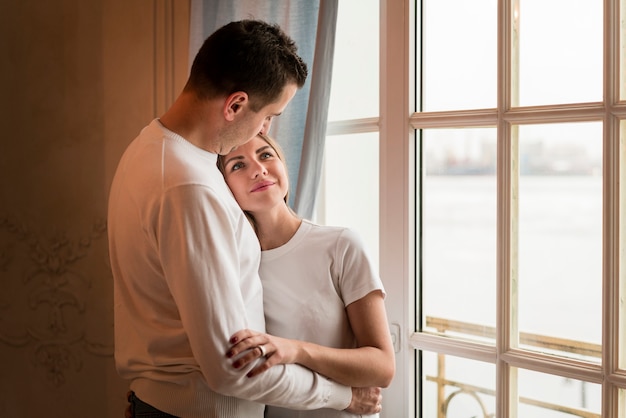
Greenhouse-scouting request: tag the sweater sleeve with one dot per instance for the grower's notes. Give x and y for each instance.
(203, 250)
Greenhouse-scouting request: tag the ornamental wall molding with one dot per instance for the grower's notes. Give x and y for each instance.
(45, 305)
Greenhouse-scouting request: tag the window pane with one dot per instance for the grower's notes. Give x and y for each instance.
(560, 238)
(622, 403)
(354, 87)
(461, 388)
(459, 229)
(560, 51)
(349, 186)
(549, 396)
(459, 54)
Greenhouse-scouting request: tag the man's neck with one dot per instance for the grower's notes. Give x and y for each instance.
(190, 118)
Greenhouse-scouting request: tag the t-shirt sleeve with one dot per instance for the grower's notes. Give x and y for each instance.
(355, 269)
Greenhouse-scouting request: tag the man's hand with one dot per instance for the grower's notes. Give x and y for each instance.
(365, 401)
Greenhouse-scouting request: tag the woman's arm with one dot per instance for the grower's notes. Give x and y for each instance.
(372, 363)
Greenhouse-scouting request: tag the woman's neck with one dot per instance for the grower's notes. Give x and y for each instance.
(274, 228)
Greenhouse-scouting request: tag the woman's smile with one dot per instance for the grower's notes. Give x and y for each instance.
(262, 186)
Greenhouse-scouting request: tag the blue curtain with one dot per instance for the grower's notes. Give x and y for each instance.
(301, 129)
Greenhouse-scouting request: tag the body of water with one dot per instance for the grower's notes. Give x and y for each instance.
(557, 276)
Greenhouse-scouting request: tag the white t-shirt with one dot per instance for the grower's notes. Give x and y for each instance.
(307, 284)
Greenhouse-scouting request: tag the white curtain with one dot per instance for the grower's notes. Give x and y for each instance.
(301, 129)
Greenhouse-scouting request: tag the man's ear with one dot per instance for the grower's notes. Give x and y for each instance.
(234, 104)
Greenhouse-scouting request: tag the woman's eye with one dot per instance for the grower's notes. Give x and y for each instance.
(266, 155)
(236, 166)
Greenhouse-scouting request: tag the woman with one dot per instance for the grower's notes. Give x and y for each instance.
(323, 301)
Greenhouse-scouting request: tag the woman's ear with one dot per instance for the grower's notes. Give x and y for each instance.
(234, 104)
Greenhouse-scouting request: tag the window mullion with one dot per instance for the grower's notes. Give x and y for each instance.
(613, 176)
(506, 304)
(612, 338)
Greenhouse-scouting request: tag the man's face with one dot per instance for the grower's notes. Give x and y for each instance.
(250, 123)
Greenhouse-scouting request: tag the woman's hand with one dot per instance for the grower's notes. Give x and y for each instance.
(248, 346)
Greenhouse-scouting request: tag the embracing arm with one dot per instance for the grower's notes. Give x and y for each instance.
(216, 290)
(372, 363)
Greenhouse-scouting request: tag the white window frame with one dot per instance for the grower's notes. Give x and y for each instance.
(397, 197)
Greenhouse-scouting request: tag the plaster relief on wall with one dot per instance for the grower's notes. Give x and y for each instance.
(50, 283)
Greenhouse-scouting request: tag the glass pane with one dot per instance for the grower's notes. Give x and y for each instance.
(548, 396)
(560, 239)
(354, 87)
(622, 403)
(560, 51)
(459, 387)
(459, 231)
(349, 186)
(459, 50)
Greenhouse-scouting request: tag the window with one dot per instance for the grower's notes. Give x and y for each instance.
(496, 159)
(349, 188)
(519, 208)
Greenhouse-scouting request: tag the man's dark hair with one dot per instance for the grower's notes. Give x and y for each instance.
(251, 56)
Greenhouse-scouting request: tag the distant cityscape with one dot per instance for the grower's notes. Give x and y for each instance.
(536, 158)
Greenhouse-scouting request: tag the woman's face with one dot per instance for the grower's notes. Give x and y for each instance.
(256, 176)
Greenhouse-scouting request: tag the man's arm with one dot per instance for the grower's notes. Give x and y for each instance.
(200, 247)
(372, 363)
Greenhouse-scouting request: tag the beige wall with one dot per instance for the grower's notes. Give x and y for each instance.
(78, 80)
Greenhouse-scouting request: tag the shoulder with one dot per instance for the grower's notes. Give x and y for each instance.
(323, 232)
(340, 236)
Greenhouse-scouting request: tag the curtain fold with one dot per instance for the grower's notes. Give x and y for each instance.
(314, 139)
(301, 130)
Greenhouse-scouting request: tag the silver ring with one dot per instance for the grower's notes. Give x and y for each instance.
(262, 348)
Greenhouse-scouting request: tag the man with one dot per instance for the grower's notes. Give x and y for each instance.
(185, 259)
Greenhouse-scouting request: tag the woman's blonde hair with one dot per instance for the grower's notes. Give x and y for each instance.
(281, 156)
